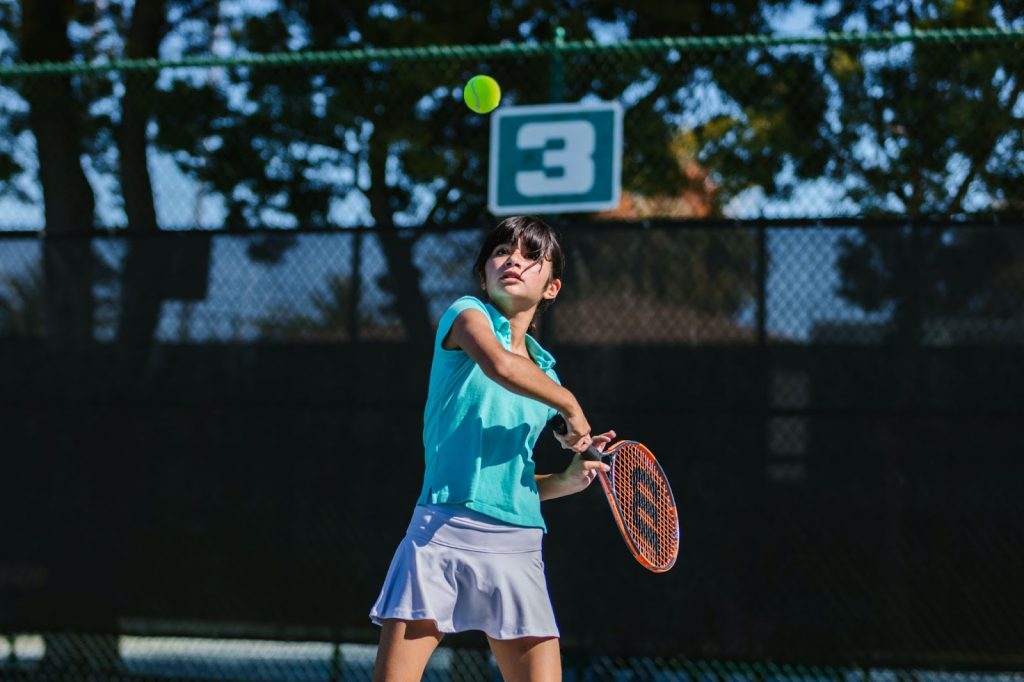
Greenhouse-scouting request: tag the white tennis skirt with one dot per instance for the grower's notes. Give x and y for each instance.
(467, 571)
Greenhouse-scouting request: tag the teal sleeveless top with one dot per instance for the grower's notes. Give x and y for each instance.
(478, 436)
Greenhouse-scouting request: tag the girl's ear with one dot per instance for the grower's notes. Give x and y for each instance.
(552, 289)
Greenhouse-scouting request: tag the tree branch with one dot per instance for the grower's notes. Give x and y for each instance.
(451, 186)
(955, 205)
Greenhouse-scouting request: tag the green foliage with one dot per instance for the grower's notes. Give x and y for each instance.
(900, 130)
(929, 131)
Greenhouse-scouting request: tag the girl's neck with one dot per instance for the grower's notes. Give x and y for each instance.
(519, 323)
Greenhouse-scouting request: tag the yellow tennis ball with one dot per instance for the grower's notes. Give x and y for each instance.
(482, 94)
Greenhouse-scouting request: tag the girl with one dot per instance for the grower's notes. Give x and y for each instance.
(471, 557)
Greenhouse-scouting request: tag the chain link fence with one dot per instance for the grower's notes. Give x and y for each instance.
(935, 284)
(182, 658)
(814, 276)
(921, 132)
(926, 123)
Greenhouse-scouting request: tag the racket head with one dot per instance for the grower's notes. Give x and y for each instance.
(643, 505)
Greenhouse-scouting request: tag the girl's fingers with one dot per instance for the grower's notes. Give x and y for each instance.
(582, 444)
(603, 439)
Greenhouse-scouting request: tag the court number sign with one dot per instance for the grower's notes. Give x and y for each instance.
(555, 158)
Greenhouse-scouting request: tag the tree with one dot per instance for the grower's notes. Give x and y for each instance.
(930, 131)
(286, 149)
(120, 146)
(140, 305)
(289, 147)
(55, 119)
(711, 272)
(65, 131)
(392, 136)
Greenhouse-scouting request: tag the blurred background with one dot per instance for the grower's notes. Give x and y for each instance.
(227, 230)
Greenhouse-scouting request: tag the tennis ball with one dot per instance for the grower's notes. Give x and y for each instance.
(482, 94)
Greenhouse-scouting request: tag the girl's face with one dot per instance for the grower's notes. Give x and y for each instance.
(518, 279)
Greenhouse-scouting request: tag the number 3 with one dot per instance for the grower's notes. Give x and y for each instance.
(575, 159)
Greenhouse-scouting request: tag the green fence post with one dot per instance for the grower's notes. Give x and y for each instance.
(557, 66)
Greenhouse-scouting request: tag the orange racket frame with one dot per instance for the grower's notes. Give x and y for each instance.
(665, 521)
(656, 564)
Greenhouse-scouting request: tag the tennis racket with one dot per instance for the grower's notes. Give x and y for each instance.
(641, 500)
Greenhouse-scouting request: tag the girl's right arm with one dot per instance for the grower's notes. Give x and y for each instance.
(472, 332)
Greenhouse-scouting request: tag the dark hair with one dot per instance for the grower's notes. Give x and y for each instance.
(539, 240)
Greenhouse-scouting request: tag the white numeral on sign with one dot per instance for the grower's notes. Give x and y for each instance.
(575, 159)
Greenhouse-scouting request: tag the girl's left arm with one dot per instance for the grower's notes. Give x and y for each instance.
(551, 486)
(569, 482)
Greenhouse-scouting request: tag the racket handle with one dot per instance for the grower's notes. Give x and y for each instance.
(592, 453)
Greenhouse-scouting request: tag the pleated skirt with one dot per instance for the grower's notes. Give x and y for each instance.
(466, 571)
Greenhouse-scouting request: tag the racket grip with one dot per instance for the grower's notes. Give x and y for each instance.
(592, 453)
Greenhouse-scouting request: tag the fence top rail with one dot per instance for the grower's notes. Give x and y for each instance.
(970, 221)
(558, 45)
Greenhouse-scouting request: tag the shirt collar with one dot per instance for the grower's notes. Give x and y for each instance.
(543, 358)
(503, 327)
(500, 322)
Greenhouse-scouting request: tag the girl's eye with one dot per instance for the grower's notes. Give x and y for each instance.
(501, 251)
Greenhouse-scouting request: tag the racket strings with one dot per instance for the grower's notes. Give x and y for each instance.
(646, 505)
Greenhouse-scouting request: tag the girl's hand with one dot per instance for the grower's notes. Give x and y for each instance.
(577, 437)
(601, 442)
(581, 472)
